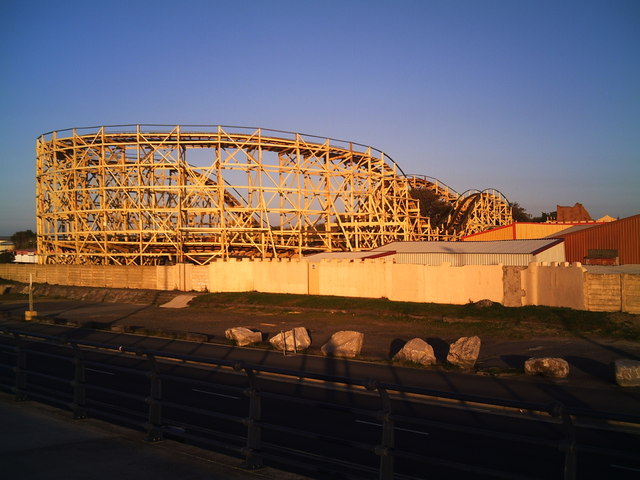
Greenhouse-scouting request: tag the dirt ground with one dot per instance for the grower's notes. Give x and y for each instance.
(385, 335)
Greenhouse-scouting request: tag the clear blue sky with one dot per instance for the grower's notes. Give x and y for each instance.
(539, 99)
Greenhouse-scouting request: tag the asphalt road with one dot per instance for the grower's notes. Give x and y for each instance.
(308, 419)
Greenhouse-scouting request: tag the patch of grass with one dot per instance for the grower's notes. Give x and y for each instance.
(320, 302)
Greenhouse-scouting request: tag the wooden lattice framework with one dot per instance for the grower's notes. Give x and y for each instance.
(472, 211)
(150, 194)
(476, 211)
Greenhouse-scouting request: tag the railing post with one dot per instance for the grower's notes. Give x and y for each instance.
(387, 444)
(20, 389)
(79, 397)
(154, 426)
(569, 444)
(252, 457)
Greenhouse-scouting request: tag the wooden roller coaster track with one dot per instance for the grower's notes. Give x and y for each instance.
(470, 212)
(152, 194)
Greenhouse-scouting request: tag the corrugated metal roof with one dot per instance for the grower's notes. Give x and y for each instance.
(530, 246)
(504, 232)
(460, 259)
(575, 228)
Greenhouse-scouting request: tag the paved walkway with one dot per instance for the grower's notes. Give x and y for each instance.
(42, 442)
(180, 301)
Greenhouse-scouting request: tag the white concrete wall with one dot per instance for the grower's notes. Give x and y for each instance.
(554, 285)
(557, 284)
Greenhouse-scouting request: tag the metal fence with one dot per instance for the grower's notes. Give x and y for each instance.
(254, 428)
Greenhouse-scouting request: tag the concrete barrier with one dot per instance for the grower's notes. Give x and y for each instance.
(558, 285)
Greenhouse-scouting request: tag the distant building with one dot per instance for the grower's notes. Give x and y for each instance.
(6, 245)
(577, 213)
(603, 242)
(528, 230)
(505, 252)
(612, 243)
(26, 256)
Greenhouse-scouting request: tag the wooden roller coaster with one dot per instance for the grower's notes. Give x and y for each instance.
(470, 212)
(152, 194)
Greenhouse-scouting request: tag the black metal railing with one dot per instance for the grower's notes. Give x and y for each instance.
(252, 426)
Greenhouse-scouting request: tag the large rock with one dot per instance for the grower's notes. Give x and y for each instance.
(417, 351)
(243, 336)
(464, 352)
(291, 340)
(547, 366)
(345, 343)
(627, 373)
(484, 303)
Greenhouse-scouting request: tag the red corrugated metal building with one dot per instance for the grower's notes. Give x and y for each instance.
(528, 230)
(603, 243)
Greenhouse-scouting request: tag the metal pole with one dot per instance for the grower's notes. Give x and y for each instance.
(31, 292)
(20, 389)
(569, 444)
(31, 313)
(253, 458)
(154, 431)
(284, 342)
(79, 390)
(387, 444)
(295, 345)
